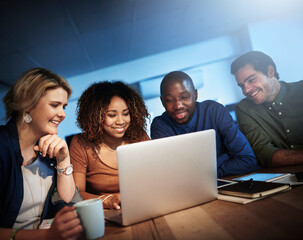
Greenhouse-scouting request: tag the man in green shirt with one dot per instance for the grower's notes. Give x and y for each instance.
(271, 115)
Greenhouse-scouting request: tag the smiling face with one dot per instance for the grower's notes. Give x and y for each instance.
(178, 98)
(49, 112)
(117, 118)
(257, 86)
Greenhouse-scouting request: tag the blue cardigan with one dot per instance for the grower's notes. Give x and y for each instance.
(11, 180)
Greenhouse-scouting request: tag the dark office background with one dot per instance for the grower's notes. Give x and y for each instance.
(139, 41)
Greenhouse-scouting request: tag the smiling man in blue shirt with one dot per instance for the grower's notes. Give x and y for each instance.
(185, 115)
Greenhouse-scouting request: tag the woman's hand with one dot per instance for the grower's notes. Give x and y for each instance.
(66, 225)
(53, 146)
(111, 201)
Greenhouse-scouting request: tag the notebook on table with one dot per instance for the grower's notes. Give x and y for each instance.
(253, 189)
(165, 175)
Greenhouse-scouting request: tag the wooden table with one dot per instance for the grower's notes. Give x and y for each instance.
(276, 217)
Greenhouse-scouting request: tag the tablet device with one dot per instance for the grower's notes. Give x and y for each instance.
(223, 183)
(266, 177)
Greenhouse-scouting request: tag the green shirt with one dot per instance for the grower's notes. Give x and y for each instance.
(274, 125)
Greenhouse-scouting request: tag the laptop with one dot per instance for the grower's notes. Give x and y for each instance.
(165, 175)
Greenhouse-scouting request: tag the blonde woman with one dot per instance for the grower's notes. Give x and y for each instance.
(35, 173)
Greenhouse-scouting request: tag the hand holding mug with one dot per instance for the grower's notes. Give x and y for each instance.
(66, 225)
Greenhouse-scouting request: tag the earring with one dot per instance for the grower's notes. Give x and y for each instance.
(27, 118)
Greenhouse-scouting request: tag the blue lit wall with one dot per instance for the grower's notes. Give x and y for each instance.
(281, 38)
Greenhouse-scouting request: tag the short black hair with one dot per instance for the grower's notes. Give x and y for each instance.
(259, 60)
(175, 76)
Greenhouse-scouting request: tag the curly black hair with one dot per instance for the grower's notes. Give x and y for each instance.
(94, 102)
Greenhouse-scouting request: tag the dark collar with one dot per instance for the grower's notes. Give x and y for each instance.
(279, 97)
(281, 93)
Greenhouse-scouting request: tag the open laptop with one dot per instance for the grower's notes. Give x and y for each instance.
(165, 175)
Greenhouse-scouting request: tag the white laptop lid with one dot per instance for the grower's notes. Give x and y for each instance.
(161, 176)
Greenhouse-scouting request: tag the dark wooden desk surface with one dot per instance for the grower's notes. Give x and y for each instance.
(276, 217)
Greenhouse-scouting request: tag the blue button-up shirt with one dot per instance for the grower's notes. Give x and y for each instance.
(234, 154)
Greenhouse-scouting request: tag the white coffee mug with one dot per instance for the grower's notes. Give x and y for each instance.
(91, 215)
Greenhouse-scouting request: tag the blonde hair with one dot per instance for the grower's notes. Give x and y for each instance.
(29, 88)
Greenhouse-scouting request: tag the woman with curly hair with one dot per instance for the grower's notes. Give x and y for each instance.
(110, 114)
